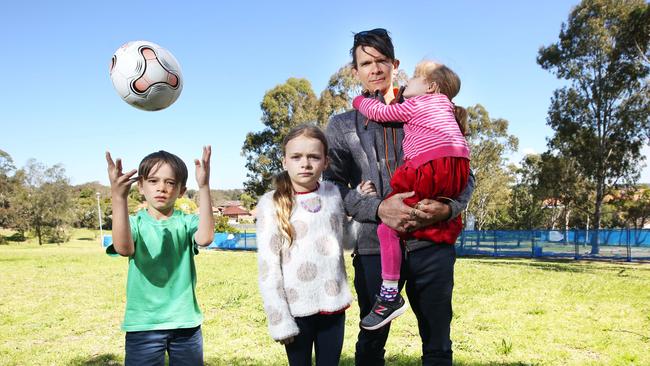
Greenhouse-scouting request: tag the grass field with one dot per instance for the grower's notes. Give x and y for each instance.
(63, 304)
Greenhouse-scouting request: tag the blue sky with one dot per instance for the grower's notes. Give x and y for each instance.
(58, 104)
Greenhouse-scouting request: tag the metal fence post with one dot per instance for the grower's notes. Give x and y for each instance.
(245, 246)
(532, 245)
(576, 246)
(629, 248)
(462, 241)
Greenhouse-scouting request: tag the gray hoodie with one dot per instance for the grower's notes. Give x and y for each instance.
(358, 152)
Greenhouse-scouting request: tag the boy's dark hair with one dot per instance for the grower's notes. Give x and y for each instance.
(152, 160)
(378, 39)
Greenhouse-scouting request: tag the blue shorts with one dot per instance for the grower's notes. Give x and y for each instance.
(184, 346)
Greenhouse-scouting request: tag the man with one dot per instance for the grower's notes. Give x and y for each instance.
(363, 150)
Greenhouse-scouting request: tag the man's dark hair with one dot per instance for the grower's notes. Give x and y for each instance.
(378, 39)
(152, 160)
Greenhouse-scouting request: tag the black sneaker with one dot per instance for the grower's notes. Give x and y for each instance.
(383, 312)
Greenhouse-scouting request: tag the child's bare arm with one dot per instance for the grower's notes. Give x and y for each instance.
(205, 233)
(120, 186)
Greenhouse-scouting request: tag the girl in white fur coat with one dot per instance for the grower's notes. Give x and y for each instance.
(302, 275)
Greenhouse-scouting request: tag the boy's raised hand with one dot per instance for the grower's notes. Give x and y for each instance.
(203, 167)
(120, 182)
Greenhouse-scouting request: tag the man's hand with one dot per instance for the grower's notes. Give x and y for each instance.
(395, 213)
(428, 212)
(403, 218)
(203, 167)
(120, 182)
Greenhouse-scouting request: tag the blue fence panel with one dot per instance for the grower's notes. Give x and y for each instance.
(236, 241)
(618, 244)
(623, 244)
(107, 240)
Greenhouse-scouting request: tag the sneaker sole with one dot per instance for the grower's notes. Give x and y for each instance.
(392, 316)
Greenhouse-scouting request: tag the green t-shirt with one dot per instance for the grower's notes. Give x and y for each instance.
(160, 288)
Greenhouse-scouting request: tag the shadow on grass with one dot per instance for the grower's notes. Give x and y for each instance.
(558, 264)
(514, 363)
(97, 360)
(240, 361)
(86, 239)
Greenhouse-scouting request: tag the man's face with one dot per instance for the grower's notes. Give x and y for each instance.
(374, 70)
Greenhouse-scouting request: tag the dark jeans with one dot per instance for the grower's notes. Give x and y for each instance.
(185, 347)
(325, 333)
(429, 277)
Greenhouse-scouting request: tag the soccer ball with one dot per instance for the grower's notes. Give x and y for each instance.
(146, 75)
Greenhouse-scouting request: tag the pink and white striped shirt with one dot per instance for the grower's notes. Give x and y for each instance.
(430, 128)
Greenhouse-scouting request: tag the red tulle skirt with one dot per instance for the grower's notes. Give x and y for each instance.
(438, 178)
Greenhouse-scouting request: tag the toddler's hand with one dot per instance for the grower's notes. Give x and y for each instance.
(120, 182)
(203, 167)
(367, 188)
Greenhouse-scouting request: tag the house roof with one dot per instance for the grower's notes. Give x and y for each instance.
(234, 210)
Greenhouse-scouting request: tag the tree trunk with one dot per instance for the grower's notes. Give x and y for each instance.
(599, 203)
(567, 214)
(38, 234)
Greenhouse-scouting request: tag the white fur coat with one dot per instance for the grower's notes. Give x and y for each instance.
(309, 276)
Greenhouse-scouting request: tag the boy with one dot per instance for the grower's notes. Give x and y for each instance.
(162, 313)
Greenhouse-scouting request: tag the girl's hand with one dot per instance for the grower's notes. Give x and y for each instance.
(286, 341)
(120, 182)
(203, 167)
(367, 188)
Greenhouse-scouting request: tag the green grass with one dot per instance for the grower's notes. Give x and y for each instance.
(63, 304)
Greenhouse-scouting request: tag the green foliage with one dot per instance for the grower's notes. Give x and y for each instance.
(489, 142)
(631, 207)
(8, 185)
(85, 212)
(247, 201)
(504, 348)
(283, 107)
(221, 225)
(186, 205)
(564, 188)
(337, 96)
(602, 119)
(135, 195)
(525, 211)
(43, 203)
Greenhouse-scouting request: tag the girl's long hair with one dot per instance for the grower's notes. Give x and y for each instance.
(283, 197)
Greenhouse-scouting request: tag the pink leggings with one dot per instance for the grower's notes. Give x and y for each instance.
(391, 253)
